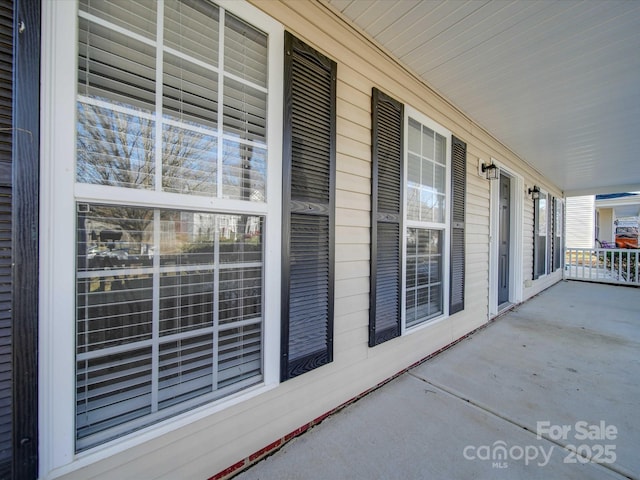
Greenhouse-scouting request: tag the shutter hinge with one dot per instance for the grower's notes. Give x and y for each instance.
(21, 26)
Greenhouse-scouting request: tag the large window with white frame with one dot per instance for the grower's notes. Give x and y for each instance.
(541, 219)
(558, 234)
(548, 227)
(426, 236)
(174, 190)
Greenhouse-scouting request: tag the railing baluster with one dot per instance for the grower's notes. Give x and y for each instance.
(606, 265)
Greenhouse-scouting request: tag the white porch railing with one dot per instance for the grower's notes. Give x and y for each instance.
(606, 265)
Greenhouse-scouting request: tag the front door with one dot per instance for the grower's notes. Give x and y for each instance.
(504, 239)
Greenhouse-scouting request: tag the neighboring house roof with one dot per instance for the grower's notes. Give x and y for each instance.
(610, 196)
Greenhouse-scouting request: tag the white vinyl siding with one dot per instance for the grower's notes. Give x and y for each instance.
(580, 222)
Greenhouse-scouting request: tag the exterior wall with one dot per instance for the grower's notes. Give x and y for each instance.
(217, 441)
(580, 221)
(606, 224)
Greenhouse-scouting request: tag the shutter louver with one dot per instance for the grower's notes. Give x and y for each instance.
(6, 145)
(386, 218)
(6, 377)
(308, 209)
(458, 199)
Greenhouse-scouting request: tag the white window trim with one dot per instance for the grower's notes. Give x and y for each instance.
(410, 112)
(58, 194)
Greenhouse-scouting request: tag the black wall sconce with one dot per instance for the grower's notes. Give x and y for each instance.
(534, 192)
(491, 171)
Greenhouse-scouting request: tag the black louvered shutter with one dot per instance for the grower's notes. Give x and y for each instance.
(308, 209)
(19, 183)
(536, 245)
(552, 234)
(458, 205)
(386, 218)
(6, 143)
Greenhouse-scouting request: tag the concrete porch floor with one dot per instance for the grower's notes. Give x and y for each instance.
(570, 357)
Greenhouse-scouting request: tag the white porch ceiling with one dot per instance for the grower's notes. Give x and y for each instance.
(557, 81)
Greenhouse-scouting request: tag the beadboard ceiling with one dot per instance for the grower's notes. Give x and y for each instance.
(557, 81)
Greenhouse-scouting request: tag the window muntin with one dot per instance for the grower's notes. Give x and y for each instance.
(169, 300)
(426, 235)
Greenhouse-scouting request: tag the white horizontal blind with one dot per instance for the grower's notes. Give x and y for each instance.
(424, 275)
(171, 98)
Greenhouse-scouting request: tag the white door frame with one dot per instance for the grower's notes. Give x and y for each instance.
(516, 274)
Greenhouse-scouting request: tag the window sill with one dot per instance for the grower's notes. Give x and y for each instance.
(426, 324)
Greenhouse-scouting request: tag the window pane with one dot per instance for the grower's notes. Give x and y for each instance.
(440, 178)
(439, 208)
(415, 142)
(186, 301)
(189, 161)
(414, 174)
(542, 222)
(155, 289)
(122, 376)
(240, 294)
(185, 370)
(441, 149)
(245, 53)
(240, 238)
(138, 16)
(187, 238)
(114, 148)
(113, 237)
(427, 202)
(244, 172)
(189, 93)
(427, 175)
(428, 146)
(115, 67)
(424, 275)
(413, 203)
(240, 354)
(245, 111)
(192, 28)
